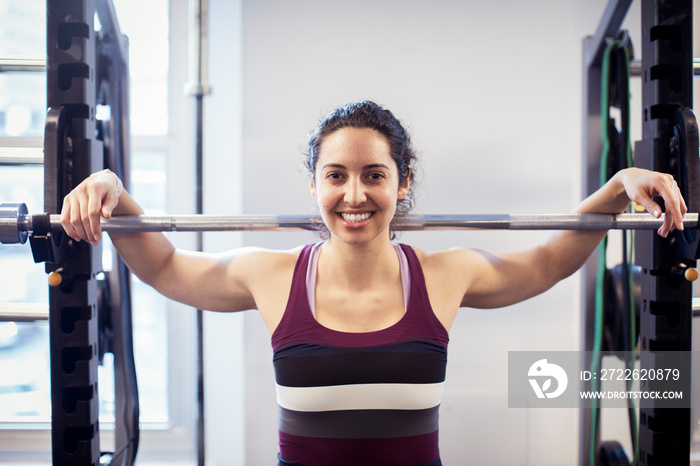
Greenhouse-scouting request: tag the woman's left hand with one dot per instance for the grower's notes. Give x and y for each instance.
(642, 185)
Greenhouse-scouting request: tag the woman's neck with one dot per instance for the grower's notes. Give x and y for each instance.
(358, 265)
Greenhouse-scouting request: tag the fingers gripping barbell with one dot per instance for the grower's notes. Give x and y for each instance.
(16, 222)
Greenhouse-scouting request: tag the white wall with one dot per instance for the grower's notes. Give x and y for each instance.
(491, 92)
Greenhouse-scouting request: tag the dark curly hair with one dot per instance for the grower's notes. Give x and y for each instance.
(368, 114)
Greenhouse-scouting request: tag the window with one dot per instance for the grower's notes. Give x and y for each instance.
(24, 349)
(25, 388)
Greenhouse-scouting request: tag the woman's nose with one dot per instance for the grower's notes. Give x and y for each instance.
(355, 192)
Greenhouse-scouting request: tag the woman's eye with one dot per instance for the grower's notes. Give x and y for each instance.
(333, 176)
(376, 176)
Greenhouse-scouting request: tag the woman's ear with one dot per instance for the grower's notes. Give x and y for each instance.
(403, 189)
(312, 187)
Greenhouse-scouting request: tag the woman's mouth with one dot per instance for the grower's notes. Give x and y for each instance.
(355, 218)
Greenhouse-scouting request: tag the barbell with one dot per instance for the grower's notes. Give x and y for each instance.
(16, 222)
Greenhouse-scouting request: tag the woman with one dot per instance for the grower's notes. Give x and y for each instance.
(359, 324)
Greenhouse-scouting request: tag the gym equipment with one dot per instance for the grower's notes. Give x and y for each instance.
(669, 144)
(88, 315)
(199, 88)
(16, 223)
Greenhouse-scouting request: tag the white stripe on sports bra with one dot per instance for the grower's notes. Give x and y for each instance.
(313, 267)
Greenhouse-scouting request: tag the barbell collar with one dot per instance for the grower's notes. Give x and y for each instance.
(11, 214)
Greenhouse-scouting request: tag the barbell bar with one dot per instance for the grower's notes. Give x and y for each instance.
(16, 222)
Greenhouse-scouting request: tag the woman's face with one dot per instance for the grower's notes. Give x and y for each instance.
(357, 185)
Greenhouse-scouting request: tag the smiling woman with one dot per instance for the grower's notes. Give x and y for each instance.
(357, 183)
(370, 116)
(359, 324)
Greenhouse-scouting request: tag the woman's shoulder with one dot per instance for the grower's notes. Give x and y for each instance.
(440, 256)
(255, 260)
(263, 256)
(445, 261)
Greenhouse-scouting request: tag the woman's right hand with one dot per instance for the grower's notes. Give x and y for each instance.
(93, 198)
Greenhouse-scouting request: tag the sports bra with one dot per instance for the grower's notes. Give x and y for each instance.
(313, 268)
(368, 398)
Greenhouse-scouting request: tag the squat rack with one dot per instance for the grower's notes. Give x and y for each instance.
(664, 306)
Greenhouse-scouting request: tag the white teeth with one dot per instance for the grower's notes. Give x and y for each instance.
(355, 218)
